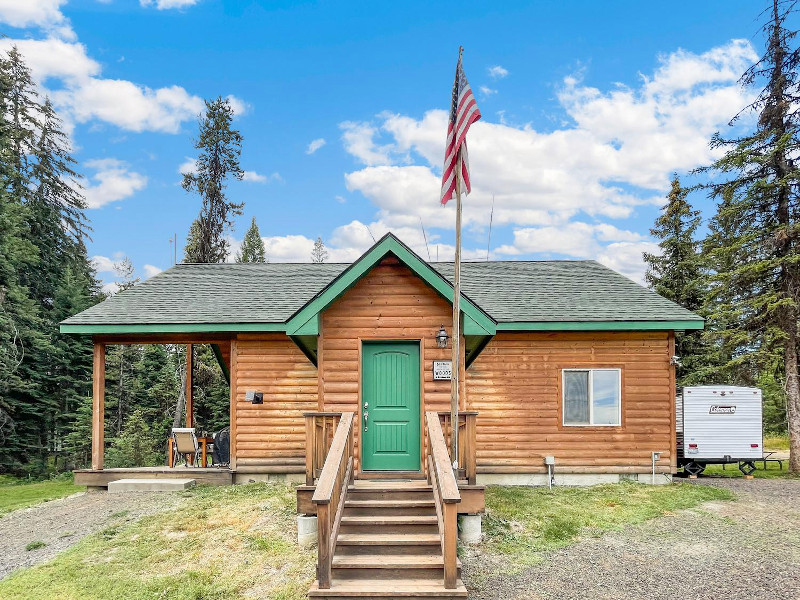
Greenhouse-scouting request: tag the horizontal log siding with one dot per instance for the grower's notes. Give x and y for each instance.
(515, 385)
(272, 364)
(389, 303)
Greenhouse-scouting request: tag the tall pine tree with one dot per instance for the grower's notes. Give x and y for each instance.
(675, 273)
(760, 188)
(220, 146)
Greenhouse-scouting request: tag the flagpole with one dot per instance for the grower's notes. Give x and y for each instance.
(456, 363)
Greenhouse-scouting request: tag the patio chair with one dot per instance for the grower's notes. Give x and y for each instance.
(184, 444)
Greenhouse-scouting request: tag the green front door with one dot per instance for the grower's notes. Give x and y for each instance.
(390, 423)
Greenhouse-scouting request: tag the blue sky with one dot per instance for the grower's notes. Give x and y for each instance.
(588, 108)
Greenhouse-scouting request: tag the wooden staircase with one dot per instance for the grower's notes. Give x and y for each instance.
(388, 544)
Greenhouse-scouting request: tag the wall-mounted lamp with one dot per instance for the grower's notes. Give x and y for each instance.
(441, 338)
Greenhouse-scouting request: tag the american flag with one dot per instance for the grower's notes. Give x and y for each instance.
(463, 113)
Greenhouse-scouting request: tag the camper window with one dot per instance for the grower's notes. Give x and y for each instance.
(591, 396)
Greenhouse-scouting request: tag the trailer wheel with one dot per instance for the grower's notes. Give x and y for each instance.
(747, 467)
(693, 468)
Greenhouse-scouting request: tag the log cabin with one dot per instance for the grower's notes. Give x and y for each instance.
(339, 379)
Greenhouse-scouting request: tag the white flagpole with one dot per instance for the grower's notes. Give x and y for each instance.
(456, 322)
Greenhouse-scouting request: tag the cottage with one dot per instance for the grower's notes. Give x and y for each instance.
(561, 359)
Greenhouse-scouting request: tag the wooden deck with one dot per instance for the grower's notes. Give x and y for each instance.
(100, 478)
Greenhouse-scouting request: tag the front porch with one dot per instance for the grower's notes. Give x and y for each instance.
(100, 478)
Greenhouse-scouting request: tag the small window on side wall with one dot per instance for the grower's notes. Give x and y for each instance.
(591, 396)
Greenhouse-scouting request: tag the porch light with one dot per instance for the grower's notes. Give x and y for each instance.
(441, 338)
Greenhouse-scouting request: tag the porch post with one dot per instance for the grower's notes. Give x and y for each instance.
(98, 405)
(189, 385)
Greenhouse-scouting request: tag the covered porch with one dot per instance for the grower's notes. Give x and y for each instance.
(99, 476)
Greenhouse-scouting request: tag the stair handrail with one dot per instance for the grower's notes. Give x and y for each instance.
(446, 496)
(331, 491)
(320, 427)
(467, 442)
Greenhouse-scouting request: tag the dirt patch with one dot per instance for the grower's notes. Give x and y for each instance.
(748, 549)
(60, 524)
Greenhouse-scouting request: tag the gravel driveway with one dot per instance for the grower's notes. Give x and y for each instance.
(748, 550)
(62, 523)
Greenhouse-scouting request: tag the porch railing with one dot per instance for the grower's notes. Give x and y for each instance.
(467, 442)
(331, 493)
(445, 494)
(320, 427)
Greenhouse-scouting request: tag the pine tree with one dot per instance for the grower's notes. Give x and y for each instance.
(220, 147)
(761, 182)
(252, 246)
(191, 251)
(675, 273)
(319, 254)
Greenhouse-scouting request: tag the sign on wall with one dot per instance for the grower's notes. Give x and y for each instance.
(442, 370)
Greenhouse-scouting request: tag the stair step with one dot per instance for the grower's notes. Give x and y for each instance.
(390, 561)
(389, 503)
(393, 539)
(391, 520)
(380, 588)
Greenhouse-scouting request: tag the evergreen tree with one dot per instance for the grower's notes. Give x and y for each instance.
(676, 272)
(191, 251)
(252, 246)
(220, 147)
(319, 254)
(761, 182)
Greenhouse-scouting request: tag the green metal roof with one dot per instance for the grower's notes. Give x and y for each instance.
(517, 295)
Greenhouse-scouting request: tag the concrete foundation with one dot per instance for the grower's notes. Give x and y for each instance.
(241, 478)
(469, 528)
(149, 485)
(568, 479)
(306, 530)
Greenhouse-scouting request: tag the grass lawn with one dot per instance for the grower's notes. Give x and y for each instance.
(778, 443)
(523, 522)
(772, 471)
(222, 543)
(18, 493)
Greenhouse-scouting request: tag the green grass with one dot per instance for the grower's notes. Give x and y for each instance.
(19, 493)
(221, 543)
(772, 471)
(521, 523)
(776, 443)
(34, 546)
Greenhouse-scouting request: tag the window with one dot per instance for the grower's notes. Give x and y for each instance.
(591, 396)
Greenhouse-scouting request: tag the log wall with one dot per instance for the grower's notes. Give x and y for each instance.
(273, 433)
(515, 385)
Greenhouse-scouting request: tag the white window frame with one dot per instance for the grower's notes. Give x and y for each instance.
(591, 422)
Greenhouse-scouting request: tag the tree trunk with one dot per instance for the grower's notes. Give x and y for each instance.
(793, 399)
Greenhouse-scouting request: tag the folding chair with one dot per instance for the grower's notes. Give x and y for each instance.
(184, 444)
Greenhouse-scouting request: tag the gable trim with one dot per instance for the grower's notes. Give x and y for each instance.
(388, 244)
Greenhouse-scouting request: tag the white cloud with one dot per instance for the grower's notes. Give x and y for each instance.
(111, 182)
(497, 72)
(315, 145)
(560, 189)
(239, 106)
(45, 14)
(82, 95)
(487, 91)
(103, 264)
(188, 166)
(151, 271)
(253, 177)
(131, 106)
(168, 4)
(626, 258)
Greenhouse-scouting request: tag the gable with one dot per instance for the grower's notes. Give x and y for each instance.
(306, 320)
